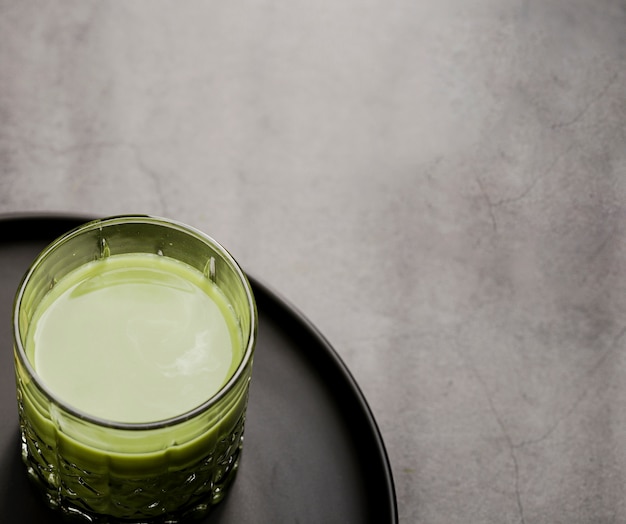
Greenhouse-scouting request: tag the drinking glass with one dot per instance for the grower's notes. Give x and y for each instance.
(107, 469)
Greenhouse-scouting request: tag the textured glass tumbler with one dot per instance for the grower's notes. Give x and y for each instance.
(102, 470)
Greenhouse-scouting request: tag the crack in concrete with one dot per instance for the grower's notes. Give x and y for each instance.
(581, 113)
(512, 446)
(487, 198)
(154, 176)
(526, 191)
(507, 438)
(491, 204)
(494, 205)
(594, 369)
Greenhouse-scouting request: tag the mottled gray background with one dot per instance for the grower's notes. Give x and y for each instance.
(439, 186)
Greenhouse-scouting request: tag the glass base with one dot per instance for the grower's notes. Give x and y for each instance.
(172, 497)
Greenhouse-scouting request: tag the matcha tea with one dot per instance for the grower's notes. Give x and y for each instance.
(134, 338)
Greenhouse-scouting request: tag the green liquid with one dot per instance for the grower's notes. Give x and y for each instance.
(142, 368)
(134, 338)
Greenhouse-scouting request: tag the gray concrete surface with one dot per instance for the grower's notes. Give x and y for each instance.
(438, 186)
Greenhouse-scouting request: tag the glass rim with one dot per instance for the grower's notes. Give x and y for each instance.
(99, 223)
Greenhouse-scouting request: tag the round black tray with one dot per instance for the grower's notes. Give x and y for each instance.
(313, 452)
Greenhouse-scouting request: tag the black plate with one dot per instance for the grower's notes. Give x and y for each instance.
(313, 452)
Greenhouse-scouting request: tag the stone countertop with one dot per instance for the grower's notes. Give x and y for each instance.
(438, 186)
